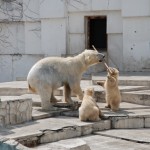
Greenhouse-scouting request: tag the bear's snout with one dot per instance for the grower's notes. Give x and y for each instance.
(101, 57)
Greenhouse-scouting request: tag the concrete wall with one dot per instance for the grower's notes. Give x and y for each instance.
(31, 30)
(136, 35)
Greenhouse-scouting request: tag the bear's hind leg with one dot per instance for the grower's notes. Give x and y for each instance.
(108, 106)
(115, 106)
(53, 99)
(94, 116)
(45, 100)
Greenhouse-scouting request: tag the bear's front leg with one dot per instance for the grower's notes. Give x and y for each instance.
(78, 91)
(67, 94)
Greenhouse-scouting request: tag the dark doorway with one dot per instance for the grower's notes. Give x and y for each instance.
(96, 32)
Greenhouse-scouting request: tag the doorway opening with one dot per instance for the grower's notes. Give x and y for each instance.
(96, 32)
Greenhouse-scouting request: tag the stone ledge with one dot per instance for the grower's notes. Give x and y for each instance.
(141, 97)
(15, 110)
(14, 88)
(135, 135)
(126, 80)
(69, 144)
(52, 129)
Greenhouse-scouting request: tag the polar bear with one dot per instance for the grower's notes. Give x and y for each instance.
(51, 73)
(89, 110)
(113, 97)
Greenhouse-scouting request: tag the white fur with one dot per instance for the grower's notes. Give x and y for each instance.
(51, 73)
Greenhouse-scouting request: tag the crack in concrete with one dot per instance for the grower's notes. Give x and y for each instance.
(121, 138)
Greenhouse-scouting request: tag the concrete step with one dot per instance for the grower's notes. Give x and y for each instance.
(129, 116)
(137, 97)
(133, 135)
(20, 88)
(69, 144)
(99, 93)
(101, 142)
(126, 80)
(63, 126)
(51, 130)
(14, 88)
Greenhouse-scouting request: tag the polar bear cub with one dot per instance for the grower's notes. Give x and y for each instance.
(113, 97)
(89, 110)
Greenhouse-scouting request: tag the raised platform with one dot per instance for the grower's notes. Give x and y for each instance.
(64, 124)
(15, 110)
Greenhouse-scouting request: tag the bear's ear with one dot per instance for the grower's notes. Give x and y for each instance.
(91, 91)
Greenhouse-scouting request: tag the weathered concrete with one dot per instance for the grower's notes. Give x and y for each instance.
(134, 135)
(127, 78)
(15, 110)
(70, 144)
(98, 142)
(137, 97)
(51, 130)
(66, 124)
(52, 126)
(13, 88)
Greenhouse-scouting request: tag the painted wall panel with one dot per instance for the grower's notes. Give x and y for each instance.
(115, 51)
(100, 4)
(52, 9)
(76, 23)
(33, 38)
(114, 22)
(106, 5)
(22, 65)
(131, 8)
(78, 6)
(77, 43)
(136, 43)
(6, 68)
(115, 4)
(11, 10)
(53, 36)
(31, 10)
(12, 38)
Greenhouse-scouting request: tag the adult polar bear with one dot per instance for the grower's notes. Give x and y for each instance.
(51, 73)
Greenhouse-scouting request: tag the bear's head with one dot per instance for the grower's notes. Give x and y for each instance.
(89, 92)
(93, 57)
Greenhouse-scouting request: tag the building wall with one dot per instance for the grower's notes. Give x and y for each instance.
(33, 29)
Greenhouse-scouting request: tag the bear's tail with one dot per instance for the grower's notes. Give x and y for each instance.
(31, 89)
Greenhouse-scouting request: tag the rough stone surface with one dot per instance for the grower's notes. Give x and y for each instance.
(98, 142)
(127, 78)
(14, 88)
(64, 124)
(137, 97)
(52, 129)
(69, 144)
(135, 135)
(15, 110)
